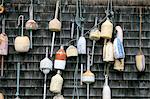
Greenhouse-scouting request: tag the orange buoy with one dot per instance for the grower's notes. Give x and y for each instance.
(60, 59)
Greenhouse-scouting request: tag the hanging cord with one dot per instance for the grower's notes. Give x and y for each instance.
(106, 69)
(19, 18)
(140, 36)
(60, 16)
(75, 90)
(2, 4)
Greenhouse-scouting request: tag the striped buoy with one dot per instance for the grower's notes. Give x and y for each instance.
(60, 59)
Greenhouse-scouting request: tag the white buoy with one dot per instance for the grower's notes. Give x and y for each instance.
(106, 89)
(45, 67)
(56, 83)
(22, 43)
(119, 64)
(3, 46)
(71, 51)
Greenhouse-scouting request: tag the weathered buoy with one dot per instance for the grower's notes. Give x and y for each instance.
(71, 51)
(58, 96)
(2, 9)
(106, 89)
(81, 45)
(119, 64)
(56, 83)
(1, 96)
(95, 33)
(60, 59)
(140, 62)
(31, 25)
(3, 44)
(55, 24)
(108, 55)
(118, 49)
(22, 43)
(107, 29)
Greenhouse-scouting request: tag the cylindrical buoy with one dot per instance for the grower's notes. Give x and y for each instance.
(31, 25)
(108, 55)
(60, 59)
(22, 44)
(118, 49)
(56, 83)
(119, 64)
(1, 96)
(140, 62)
(107, 29)
(106, 89)
(71, 51)
(58, 96)
(81, 45)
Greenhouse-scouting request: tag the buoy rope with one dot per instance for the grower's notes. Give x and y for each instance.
(140, 33)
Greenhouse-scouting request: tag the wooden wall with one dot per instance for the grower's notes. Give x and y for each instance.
(125, 85)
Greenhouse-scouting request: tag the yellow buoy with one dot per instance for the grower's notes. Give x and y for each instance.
(140, 62)
(119, 65)
(71, 51)
(107, 29)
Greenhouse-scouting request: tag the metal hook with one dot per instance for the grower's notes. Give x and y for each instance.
(21, 17)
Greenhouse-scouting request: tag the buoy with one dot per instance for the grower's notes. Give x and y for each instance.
(58, 96)
(55, 24)
(119, 64)
(56, 83)
(95, 33)
(106, 89)
(119, 33)
(60, 59)
(46, 64)
(2, 9)
(106, 29)
(1, 96)
(31, 24)
(118, 49)
(22, 43)
(140, 58)
(81, 45)
(140, 62)
(3, 46)
(71, 51)
(45, 67)
(88, 77)
(108, 55)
